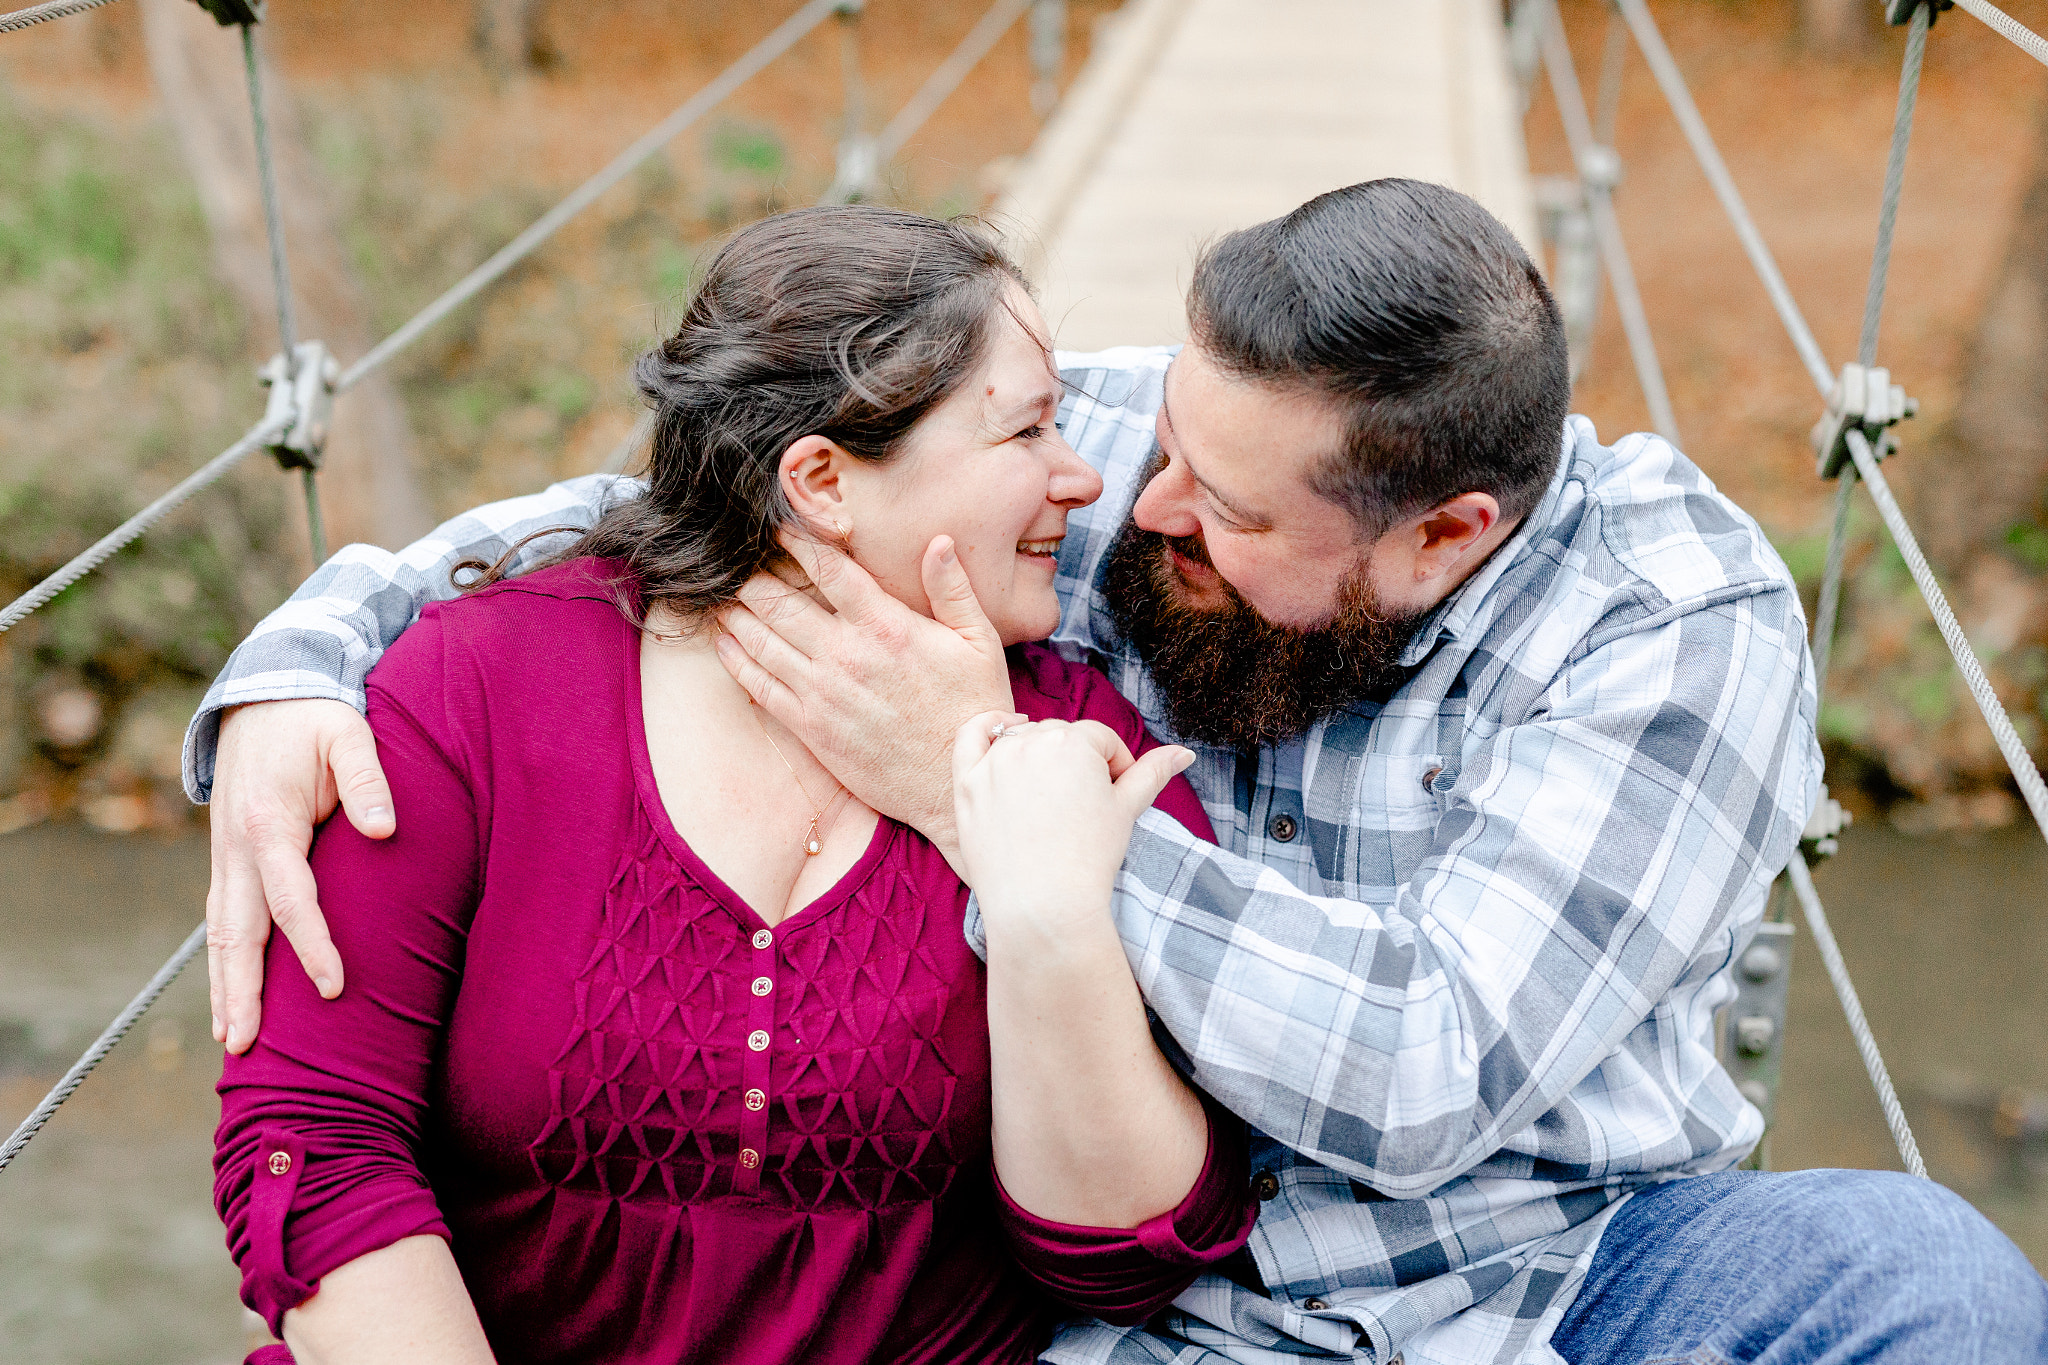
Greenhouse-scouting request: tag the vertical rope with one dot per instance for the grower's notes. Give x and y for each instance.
(280, 275)
(273, 216)
(1894, 181)
(1830, 604)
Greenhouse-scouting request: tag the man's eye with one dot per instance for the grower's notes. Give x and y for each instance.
(1032, 432)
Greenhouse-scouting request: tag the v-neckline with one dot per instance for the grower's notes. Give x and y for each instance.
(649, 792)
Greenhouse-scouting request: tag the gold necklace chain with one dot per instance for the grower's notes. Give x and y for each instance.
(814, 843)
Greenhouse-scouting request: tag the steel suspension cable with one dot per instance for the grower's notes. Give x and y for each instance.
(1894, 180)
(2016, 757)
(948, 74)
(2022, 37)
(280, 274)
(1672, 82)
(39, 14)
(259, 437)
(785, 36)
(1597, 167)
(1829, 606)
(104, 1044)
(1852, 1008)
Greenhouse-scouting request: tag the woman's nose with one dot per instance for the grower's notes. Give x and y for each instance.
(1074, 483)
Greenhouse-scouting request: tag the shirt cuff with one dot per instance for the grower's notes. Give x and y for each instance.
(202, 736)
(1125, 1275)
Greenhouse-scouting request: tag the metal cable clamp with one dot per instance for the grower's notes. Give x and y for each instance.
(1900, 12)
(1822, 835)
(233, 13)
(303, 394)
(1866, 400)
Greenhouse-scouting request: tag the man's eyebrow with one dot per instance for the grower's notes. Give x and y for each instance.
(1216, 495)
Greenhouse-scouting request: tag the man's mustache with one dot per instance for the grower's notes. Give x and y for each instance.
(1191, 548)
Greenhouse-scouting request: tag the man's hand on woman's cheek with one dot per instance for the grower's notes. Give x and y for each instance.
(874, 689)
(281, 768)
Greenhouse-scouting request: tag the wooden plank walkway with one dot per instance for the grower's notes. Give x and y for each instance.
(1194, 117)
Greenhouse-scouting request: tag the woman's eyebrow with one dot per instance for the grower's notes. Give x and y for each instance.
(1034, 403)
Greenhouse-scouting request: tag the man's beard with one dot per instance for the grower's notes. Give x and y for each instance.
(1229, 676)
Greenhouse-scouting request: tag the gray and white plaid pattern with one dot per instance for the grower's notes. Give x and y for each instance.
(1457, 957)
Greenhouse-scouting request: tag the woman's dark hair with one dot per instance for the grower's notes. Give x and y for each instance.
(1418, 313)
(847, 322)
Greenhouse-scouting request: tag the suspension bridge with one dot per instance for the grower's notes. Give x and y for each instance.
(1171, 132)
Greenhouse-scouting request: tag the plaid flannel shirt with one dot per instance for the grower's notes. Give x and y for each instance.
(1457, 957)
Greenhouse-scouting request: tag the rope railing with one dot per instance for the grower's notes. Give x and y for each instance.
(104, 1044)
(1599, 169)
(1650, 40)
(41, 14)
(259, 438)
(785, 36)
(1852, 1009)
(2022, 37)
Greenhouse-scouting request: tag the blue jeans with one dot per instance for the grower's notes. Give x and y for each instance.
(1805, 1268)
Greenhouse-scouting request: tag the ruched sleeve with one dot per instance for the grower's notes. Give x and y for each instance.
(1125, 1275)
(317, 1158)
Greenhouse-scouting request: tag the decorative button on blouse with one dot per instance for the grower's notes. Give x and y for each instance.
(762, 985)
(280, 1162)
(758, 1040)
(749, 1158)
(762, 938)
(756, 1100)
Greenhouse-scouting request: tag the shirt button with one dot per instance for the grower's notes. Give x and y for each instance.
(1283, 828)
(758, 1040)
(756, 1099)
(1429, 778)
(280, 1162)
(1265, 1185)
(749, 1158)
(762, 938)
(1314, 1305)
(762, 985)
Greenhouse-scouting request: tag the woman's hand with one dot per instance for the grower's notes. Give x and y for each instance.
(1045, 813)
(1091, 1126)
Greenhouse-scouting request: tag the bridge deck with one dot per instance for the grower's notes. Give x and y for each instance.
(1197, 116)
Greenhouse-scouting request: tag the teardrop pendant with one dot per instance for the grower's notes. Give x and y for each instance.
(811, 845)
(812, 848)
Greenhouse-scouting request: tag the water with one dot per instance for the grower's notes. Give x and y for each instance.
(110, 1253)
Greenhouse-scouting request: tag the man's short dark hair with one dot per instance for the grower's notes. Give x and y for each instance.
(1422, 317)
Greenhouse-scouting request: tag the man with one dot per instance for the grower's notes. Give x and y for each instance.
(1504, 735)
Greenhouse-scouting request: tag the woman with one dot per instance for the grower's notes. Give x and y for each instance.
(658, 1044)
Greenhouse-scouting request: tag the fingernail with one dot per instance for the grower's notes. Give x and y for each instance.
(218, 1032)
(324, 985)
(377, 813)
(1187, 761)
(234, 1039)
(946, 555)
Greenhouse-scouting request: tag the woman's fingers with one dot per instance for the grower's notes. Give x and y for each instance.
(976, 736)
(1145, 778)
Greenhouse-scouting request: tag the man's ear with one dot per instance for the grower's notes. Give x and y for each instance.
(1443, 536)
(810, 472)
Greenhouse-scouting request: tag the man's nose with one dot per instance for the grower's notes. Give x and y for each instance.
(1165, 507)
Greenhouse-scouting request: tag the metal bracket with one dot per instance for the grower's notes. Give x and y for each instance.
(1752, 1028)
(303, 393)
(1863, 397)
(1820, 837)
(233, 13)
(1900, 12)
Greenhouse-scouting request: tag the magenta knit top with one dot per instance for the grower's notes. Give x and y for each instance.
(651, 1126)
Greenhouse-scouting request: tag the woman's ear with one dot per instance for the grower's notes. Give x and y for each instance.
(810, 471)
